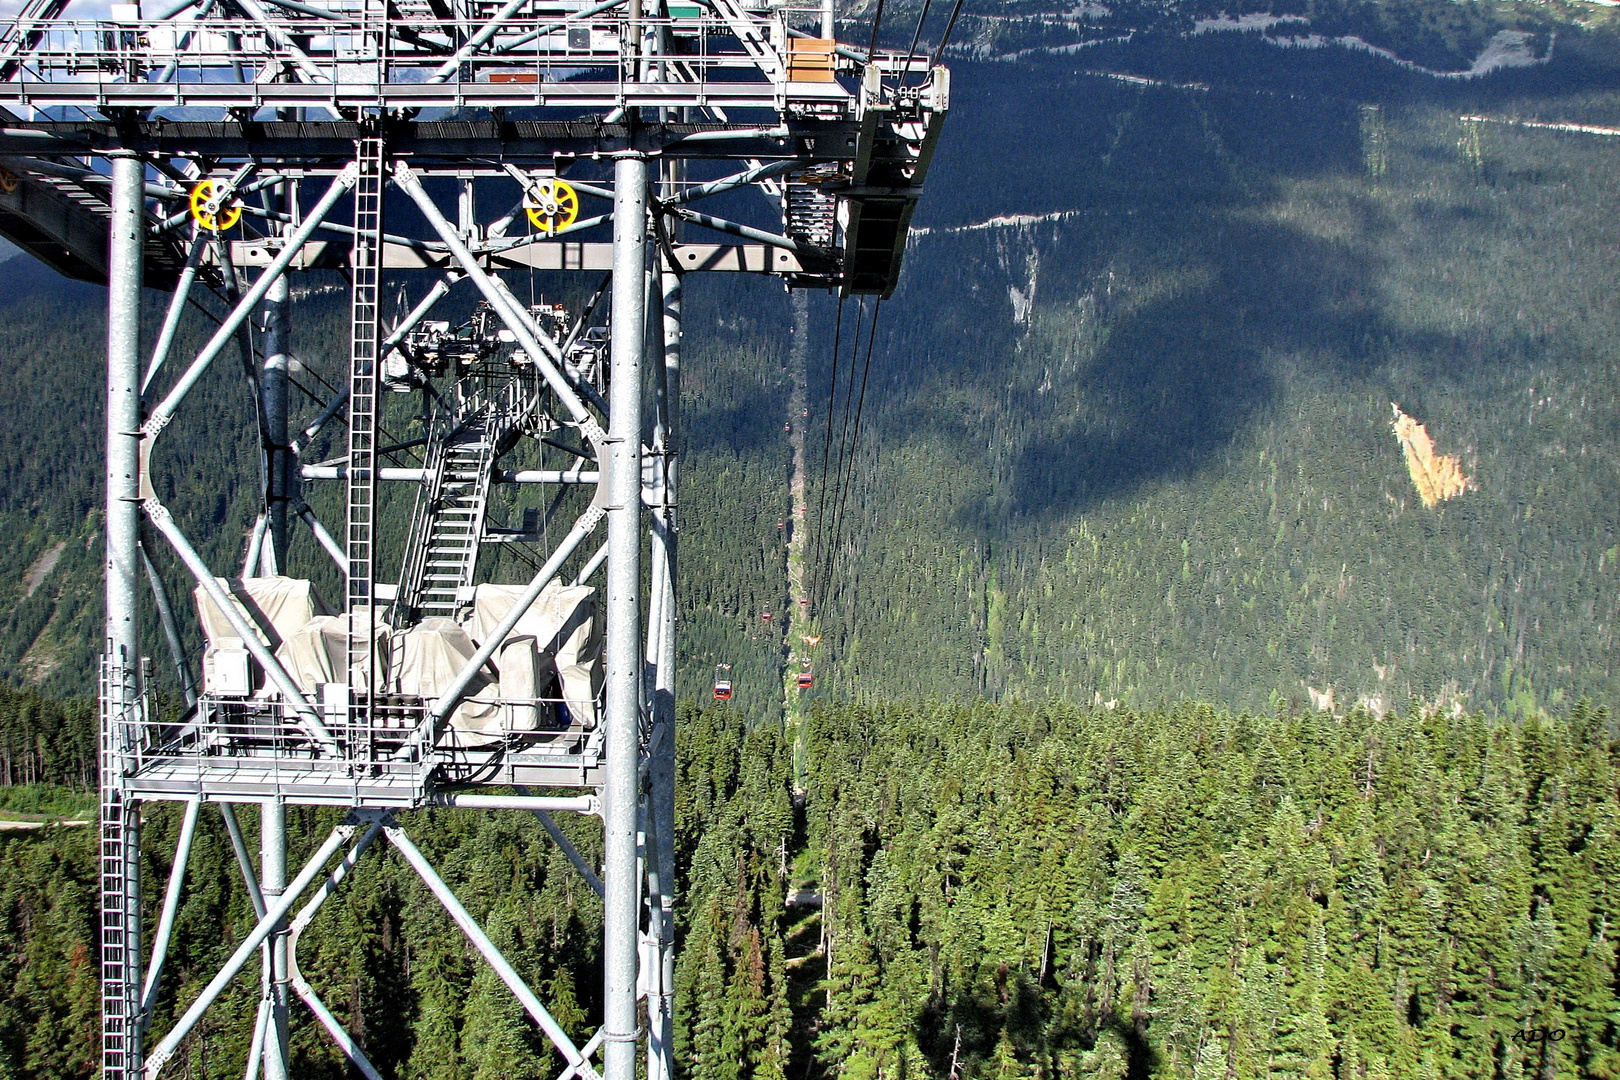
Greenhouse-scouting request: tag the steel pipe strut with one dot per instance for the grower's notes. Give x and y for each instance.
(622, 470)
(661, 774)
(477, 41)
(307, 516)
(164, 412)
(273, 880)
(122, 1040)
(475, 933)
(566, 846)
(541, 31)
(256, 1047)
(182, 1027)
(563, 843)
(517, 322)
(592, 1045)
(273, 392)
(395, 336)
(177, 305)
(501, 476)
(255, 551)
(540, 804)
(458, 686)
(125, 258)
(171, 904)
(591, 567)
(736, 180)
(305, 991)
(244, 861)
(171, 630)
(747, 232)
(160, 517)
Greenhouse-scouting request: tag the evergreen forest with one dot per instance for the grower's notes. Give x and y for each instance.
(1016, 890)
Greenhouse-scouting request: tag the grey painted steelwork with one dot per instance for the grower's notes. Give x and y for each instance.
(295, 109)
(272, 883)
(621, 898)
(171, 905)
(346, 1042)
(121, 697)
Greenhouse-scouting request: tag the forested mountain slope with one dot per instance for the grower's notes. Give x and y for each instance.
(1129, 416)
(1126, 435)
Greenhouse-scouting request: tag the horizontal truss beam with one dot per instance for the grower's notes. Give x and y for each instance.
(373, 95)
(434, 146)
(541, 255)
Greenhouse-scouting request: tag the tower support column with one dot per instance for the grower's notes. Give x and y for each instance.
(661, 770)
(121, 698)
(272, 883)
(622, 474)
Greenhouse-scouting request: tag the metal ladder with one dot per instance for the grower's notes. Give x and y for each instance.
(361, 550)
(120, 926)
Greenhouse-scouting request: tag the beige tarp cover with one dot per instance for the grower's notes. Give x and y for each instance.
(278, 607)
(318, 653)
(431, 654)
(563, 622)
(519, 661)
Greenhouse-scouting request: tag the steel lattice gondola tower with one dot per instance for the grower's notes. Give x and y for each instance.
(227, 144)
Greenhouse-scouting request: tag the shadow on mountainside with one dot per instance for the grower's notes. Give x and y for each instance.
(1129, 321)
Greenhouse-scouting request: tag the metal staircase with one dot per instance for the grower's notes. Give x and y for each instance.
(810, 214)
(442, 554)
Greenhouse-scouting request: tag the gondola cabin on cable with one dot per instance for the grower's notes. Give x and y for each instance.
(722, 682)
(764, 616)
(806, 679)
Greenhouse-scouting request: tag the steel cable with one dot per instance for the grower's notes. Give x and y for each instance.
(860, 408)
(916, 36)
(849, 396)
(826, 449)
(945, 38)
(871, 49)
(841, 460)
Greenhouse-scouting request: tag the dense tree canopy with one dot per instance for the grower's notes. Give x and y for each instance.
(985, 891)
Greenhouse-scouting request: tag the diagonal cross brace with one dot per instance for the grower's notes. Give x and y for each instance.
(244, 952)
(164, 412)
(577, 1063)
(159, 516)
(534, 342)
(344, 1040)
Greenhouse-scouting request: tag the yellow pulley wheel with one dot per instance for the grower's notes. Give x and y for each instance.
(207, 211)
(8, 181)
(551, 204)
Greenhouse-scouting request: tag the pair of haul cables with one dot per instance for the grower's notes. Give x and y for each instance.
(839, 475)
(916, 34)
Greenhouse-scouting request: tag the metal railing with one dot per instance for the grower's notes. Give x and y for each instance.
(260, 741)
(739, 59)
